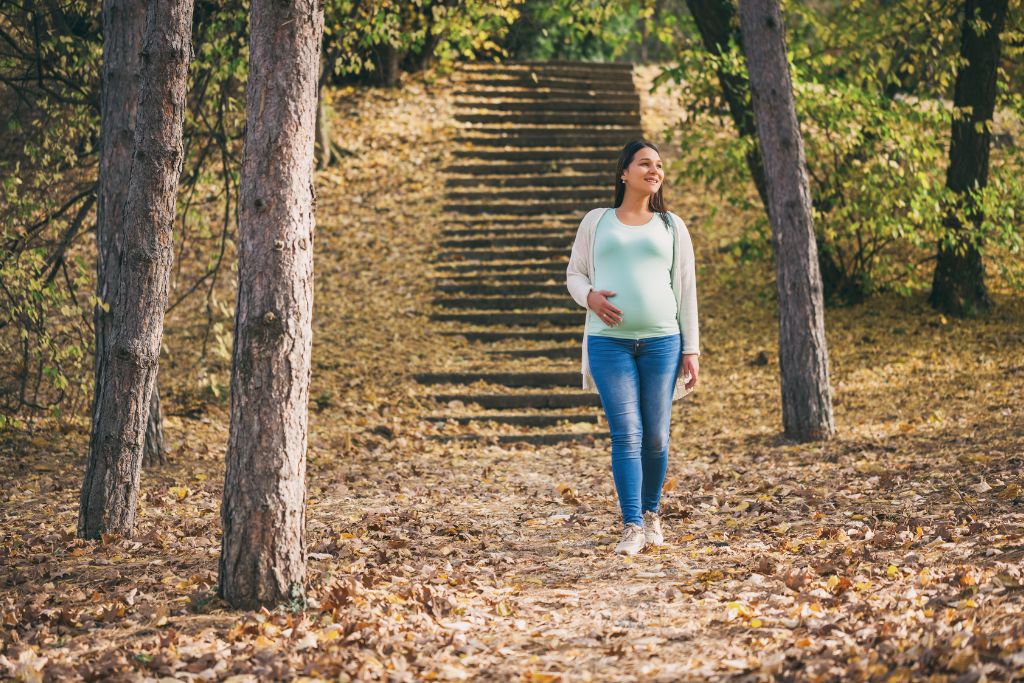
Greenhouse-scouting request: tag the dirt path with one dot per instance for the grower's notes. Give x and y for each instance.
(892, 553)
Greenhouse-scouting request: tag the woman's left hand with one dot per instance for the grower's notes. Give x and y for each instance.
(691, 367)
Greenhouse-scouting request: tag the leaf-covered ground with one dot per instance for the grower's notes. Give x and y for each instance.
(891, 553)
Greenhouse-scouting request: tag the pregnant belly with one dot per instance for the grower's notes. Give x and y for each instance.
(643, 308)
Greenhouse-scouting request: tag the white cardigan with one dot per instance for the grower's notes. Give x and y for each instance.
(579, 279)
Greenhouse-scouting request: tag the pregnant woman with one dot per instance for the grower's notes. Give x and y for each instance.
(632, 268)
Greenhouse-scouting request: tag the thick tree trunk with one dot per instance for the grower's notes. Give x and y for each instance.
(803, 353)
(958, 286)
(125, 389)
(263, 548)
(124, 24)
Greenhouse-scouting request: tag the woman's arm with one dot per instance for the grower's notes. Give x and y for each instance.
(576, 279)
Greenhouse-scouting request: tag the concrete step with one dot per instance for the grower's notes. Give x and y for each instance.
(611, 84)
(549, 180)
(577, 206)
(533, 229)
(626, 104)
(507, 303)
(485, 336)
(456, 221)
(606, 154)
(551, 137)
(551, 352)
(560, 241)
(513, 319)
(542, 420)
(534, 439)
(507, 379)
(540, 194)
(606, 166)
(590, 118)
(514, 401)
(552, 269)
(556, 65)
(503, 254)
(477, 289)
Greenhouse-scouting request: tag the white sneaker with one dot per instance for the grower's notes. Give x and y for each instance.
(652, 528)
(632, 540)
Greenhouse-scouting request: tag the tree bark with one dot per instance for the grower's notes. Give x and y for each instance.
(263, 548)
(124, 24)
(958, 285)
(803, 353)
(128, 372)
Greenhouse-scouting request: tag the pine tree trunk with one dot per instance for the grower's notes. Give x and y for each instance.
(263, 548)
(128, 375)
(803, 353)
(958, 286)
(124, 24)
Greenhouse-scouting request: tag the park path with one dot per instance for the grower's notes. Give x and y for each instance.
(537, 149)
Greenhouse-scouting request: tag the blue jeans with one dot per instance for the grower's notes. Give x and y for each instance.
(636, 378)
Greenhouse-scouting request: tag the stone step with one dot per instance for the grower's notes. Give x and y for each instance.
(606, 118)
(514, 401)
(542, 181)
(621, 105)
(495, 98)
(534, 228)
(486, 336)
(563, 65)
(611, 84)
(558, 241)
(579, 206)
(606, 154)
(551, 352)
(542, 420)
(552, 137)
(506, 303)
(480, 223)
(542, 278)
(512, 319)
(552, 269)
(540, 194)
(503, 254)
(535, 439)
(506, 289)
(507, 379)
(534, 167)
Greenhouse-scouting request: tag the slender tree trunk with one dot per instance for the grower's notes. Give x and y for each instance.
(124, 392)
(958, 286)
(263, 548)
(803, 353)
(124, 24)
(153, 452)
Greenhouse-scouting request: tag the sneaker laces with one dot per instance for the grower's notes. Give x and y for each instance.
(632, 531)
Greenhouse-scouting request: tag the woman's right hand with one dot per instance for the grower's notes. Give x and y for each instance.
(598, 302)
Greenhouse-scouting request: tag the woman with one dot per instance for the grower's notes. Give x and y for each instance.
(632, 269)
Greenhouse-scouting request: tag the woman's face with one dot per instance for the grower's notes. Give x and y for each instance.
(644, 173)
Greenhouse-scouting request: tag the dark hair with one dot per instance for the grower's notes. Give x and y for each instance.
(657, 201)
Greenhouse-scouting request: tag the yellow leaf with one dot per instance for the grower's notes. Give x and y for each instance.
(179, 492)
(756, 623)
(892, 571)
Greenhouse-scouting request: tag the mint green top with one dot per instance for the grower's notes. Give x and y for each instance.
(635, 262)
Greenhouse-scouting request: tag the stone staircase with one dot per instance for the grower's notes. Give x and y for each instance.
(538, 147)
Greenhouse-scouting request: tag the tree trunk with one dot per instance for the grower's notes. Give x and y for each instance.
(263, 548)
(153, 452)
(803, 353)
(715, 22)
(958, 286)
(128, 372)
(124, 24)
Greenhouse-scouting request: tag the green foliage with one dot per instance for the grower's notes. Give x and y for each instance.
(876, 139)
(355, 31)
(597, 30)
